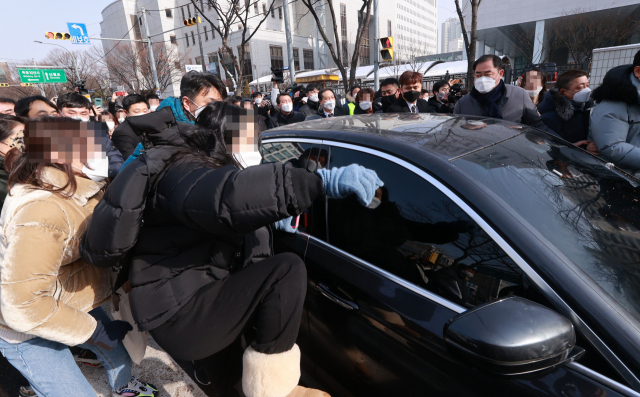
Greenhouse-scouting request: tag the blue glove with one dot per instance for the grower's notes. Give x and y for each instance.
(285, 225)
(353, 179)
(108, 335)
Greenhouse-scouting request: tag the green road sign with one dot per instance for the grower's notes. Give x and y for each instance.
(42, 76)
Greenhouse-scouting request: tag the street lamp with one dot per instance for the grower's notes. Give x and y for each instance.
(73, 58)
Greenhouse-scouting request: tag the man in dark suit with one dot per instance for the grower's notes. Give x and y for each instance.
(328, 107)
(410, 102)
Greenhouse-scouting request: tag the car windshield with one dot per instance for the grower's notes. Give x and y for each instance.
(589, 210)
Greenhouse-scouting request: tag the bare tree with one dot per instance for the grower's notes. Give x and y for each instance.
(340, 55)
(15, 91)
(581, 31)
(232, 14)
(93, 73)
(129, 65)
(469, 35)
(527, 41)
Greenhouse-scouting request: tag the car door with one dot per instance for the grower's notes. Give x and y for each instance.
(387, 279)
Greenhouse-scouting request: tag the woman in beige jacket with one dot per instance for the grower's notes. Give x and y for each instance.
(49, 297)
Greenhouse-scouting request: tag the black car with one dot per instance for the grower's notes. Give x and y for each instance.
(497, 260)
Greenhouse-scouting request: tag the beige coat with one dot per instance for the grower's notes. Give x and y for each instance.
(46, 289)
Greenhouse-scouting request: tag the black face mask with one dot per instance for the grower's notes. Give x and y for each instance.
(388, 100)
(411, 96)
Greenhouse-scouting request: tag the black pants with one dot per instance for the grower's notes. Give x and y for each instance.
(268, 295)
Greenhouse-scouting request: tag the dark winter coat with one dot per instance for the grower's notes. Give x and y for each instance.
(567, 118)
(125, 139)
(114, 156)
(357, 110)
(280, 119)
(337, 111)
(615, 121)
(182, 227)
(439, 107)
(309, 108)
(401, 106)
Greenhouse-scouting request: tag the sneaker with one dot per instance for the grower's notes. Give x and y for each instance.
(87, 357)
(136, 387)
(27, 391)
(201, 376)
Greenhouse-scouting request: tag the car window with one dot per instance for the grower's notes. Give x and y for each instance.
(416, 232)
(310, 157)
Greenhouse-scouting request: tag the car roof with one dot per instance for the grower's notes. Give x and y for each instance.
(445, 136)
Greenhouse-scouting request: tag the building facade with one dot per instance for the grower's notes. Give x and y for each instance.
(413, 27)
(451, 35)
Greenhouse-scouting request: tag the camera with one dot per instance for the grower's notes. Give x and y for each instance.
(455, 93)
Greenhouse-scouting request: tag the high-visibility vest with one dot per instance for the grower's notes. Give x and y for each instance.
(352, 108)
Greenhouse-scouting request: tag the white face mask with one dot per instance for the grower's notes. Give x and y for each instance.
(286, 107)
(304, 99)
(484, 84)
(248, 159)
(534, 93)
(257, 101)
(111, 125)
(582, 96)
(375, 202)
(313, 97)
(153, 108)
(365, 105)
(330, 104)
(100, 169)
(199, 110)
(310, 165)
(79, 118)
(121, 120)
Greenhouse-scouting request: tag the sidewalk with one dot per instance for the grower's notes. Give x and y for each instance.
(157, 368)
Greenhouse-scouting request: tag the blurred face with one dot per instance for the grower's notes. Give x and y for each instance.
(390, 89)
(77, 113)
(16, 139)
(39, 109)
(240, 135)
(7, 108)
(138, 109)
(533, 81)
(576, 85)
(486, 69)
(248, 105)
(66, 142)
(154, 102)
(121, 115)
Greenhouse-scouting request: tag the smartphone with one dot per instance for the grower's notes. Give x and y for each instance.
(120, 93)
(97, 102)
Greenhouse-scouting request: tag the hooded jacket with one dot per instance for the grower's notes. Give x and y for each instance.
(615, 121)
(182, 227)
(47, 288)
(567, 118)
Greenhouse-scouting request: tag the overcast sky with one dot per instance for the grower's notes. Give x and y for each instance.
(19, 35)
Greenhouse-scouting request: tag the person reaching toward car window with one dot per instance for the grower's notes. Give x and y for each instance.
(202, 271)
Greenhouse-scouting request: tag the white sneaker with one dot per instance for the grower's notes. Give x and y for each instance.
(136, 388)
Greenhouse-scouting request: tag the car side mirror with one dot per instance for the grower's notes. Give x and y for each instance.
(510, 336)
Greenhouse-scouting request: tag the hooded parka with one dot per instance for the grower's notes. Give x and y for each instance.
(183, 227)
(567, 118)
(615, 121)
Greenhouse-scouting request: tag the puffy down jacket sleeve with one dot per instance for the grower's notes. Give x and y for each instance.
(229, 200)
(38, 241)
(610, 132)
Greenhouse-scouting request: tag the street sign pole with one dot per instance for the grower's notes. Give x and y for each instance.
(287, 29)
(376, 54)
(152, 60)
(199, 38)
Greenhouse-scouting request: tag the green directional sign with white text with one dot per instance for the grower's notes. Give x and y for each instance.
(42, 76)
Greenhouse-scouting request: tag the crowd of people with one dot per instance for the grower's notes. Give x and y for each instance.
(166, 200)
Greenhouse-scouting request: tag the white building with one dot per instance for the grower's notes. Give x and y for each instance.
(413, 27)
(451, 35)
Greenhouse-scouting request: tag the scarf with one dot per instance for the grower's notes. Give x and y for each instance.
(175, 104)
(490, 100)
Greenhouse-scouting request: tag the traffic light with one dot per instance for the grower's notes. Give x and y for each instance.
(4, 85)
(387, 48)
(26, 84)
(192, 21)
(57, 35)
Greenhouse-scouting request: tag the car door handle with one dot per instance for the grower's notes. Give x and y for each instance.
(327, 293)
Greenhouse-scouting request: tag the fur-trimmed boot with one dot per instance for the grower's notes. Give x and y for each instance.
(274, 375)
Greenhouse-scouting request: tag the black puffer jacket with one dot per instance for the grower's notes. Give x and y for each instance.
(182, 227)
(439, 107)
(567, 118)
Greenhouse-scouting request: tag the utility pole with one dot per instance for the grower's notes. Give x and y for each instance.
(39, 85)
(376, 35)
(199, 38)
(287, 30)
(152, 60)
